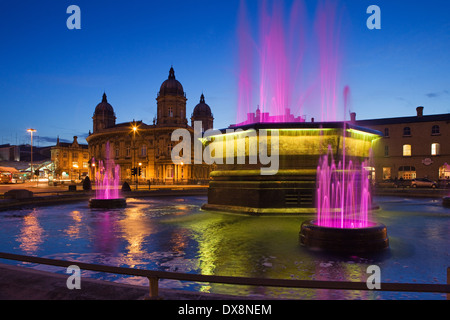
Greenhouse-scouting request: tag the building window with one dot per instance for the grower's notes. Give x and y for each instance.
(85, 164)
(170, 112)
(386, 173)
(435, 130)
(169, 172)
(435, 149)
(386, 132)
(65, 155)
(444, 172)
(407, 150)
(407, 172)
(407, 131)
(143, 150)
(74, 155)
(386, 151)
(128, 151)
(117, 152)
(85, 156)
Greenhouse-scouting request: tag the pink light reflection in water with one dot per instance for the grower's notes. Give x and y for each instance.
(107, 177)
(343, 198)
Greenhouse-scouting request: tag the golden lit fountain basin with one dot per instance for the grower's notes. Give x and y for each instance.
(291, 188)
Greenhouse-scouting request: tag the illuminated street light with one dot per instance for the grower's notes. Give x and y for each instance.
(31, 132)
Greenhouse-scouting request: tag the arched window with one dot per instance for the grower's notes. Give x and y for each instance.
(435, 149)
(435, 130)
(407, 150)
(406, 131)
(407, 172)
(444, 172)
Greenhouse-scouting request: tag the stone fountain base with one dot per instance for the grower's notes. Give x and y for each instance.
(357, 240)
(108, 203)
(446, 202)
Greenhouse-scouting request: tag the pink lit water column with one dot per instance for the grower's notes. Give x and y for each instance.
(107, 177)
(343, 198)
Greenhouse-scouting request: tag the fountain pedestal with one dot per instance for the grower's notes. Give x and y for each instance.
(108, 203)
(446, 202)
(346, 240)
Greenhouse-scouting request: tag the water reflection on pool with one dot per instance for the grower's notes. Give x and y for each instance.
(173, 234)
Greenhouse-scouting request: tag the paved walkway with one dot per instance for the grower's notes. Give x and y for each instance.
(21, 283)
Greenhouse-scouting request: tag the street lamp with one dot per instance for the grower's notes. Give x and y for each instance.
(134, 130)
(31, 132)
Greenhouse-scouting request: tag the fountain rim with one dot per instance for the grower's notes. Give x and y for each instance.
(303, 125)
(372, 225)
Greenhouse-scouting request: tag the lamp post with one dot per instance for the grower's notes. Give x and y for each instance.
(31, 132)
(134, 129)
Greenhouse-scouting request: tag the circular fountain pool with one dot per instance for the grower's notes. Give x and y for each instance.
(174, 234)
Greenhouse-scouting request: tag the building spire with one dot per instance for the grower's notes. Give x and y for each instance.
(104, 97)
(202, 98)
(171, 73)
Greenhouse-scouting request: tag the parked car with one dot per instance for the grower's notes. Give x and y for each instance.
(388, 183)
(423, 182)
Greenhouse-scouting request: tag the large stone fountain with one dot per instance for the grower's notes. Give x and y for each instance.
(289, 188)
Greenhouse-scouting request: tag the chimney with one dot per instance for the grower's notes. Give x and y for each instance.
(352, 116)
(419, 112)
(312, 119)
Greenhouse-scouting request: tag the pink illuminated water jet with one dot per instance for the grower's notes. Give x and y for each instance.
(279, 70)
(343, 198)
(107, 177)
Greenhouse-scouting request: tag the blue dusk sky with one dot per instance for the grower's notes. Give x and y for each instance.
(52, 78)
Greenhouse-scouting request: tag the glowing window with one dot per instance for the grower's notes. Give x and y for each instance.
(435, 149)
(407, 150)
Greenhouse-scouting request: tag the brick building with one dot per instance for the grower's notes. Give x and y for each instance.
(411, 147)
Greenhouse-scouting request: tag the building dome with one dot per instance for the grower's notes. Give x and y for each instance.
(202, 109)
(171, 86)
(104, 106)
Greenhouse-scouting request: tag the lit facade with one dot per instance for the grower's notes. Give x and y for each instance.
(70, 160)
(411, 147)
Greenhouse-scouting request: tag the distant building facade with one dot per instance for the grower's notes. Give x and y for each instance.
(411, 147)
(149, 146)
(70, 161)
(9, 153)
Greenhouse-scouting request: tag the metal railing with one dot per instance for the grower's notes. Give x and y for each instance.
(155, 276)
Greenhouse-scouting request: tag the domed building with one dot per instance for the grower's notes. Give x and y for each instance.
(149, 146)
(202, 112)
(104, 116)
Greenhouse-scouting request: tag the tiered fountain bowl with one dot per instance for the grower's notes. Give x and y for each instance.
(372, 238)
(446, 202)
(108, 203)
